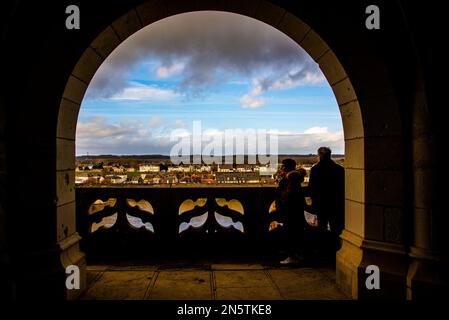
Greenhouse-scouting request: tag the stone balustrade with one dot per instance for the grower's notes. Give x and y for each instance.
(152, 221)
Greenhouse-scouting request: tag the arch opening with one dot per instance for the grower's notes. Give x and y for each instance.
(280, 19)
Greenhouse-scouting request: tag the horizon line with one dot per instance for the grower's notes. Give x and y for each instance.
(167, 155)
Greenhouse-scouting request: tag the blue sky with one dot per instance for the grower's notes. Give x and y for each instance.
(238, 73)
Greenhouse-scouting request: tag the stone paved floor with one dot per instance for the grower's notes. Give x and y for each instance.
(241, 281)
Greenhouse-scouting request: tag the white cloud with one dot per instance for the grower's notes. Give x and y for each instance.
(142, 93)
(211, 132)
(97, 136)
(180, 133)
(98, 128)
(283, 133)
(168, 71)
(179, 124)
(317, 130)
(292, 79)
(307, 142)
(155, 122)
(249, 101)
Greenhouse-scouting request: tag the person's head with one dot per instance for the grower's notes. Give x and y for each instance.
(302, 172)
(288, 165)
(324, 153)
(295, 178)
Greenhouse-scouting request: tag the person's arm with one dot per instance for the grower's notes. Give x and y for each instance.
(312, 191)
(308, 208)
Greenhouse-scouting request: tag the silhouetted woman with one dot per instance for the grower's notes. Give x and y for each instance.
(293, 205)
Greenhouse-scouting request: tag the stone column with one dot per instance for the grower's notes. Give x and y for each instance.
(427, 268)
(374, 194)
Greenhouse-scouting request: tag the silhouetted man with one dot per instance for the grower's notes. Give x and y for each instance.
(326, 184)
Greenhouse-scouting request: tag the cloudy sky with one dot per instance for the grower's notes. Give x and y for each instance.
(225, 70)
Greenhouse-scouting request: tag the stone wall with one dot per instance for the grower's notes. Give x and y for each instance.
(392, 128)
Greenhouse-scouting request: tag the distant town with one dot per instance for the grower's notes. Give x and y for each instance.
(159, 170)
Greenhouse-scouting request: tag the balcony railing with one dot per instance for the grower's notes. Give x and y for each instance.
(145, 222)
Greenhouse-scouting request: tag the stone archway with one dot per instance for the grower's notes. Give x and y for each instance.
(374, 187)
